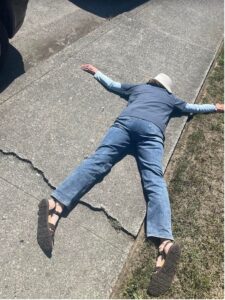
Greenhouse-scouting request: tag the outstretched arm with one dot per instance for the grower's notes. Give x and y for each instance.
(203, 108)
(106, 81)
(197, 108)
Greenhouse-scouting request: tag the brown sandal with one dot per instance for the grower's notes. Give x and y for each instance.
(46, 230)
(163, 276)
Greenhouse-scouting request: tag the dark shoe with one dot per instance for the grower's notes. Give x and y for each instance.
(45, 230)
(162, 279)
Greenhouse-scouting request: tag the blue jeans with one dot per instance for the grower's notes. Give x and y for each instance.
(147, 141)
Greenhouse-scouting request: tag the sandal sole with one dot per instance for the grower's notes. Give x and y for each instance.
(162, 280)
(44, 238)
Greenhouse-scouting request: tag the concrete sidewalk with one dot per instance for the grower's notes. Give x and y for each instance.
(56, 117)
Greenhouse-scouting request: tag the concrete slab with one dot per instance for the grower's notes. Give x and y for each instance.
(54, 115)
(199, 23)
(62, 107)
(48, 28)
(41, 13)
(89, 253)
(31, 75)
(23, 176)
(59, 24)
(60, 118)
(13, 77)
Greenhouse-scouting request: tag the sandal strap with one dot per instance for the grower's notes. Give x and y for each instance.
(167, 244)
(162, 252)
(56, 213)
(52, 227)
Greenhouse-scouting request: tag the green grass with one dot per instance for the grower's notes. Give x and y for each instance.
(196, 192)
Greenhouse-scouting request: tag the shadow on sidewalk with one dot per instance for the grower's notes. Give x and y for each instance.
(13, 68)
(107, 8)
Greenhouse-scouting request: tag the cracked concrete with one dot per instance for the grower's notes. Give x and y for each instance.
(21, 188)
(40, 172)
(36, 276)
(5, 176)
(62, 107)
(57, 115)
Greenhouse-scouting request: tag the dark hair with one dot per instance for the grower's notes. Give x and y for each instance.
(155, 82)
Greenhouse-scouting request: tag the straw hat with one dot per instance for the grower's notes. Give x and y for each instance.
(165, 80)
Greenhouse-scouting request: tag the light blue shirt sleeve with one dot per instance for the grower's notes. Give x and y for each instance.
(199, 108)
(123, 89)
(107, 82)
(193, 108)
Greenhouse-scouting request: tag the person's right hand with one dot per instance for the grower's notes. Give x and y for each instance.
(89, 68)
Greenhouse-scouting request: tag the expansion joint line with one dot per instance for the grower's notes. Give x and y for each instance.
(114, 222)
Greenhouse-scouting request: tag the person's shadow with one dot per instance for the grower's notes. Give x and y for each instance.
(13, 67)
(107, 8)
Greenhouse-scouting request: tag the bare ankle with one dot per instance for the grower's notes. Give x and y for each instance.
(59, 207)
(51, 202)
(165, 245)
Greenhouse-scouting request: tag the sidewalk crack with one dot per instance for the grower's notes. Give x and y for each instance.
(40, 172)
(113, 221)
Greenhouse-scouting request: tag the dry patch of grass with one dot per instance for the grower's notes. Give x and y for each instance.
(195, 178)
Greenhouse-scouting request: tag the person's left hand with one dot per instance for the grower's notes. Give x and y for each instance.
(219, 108)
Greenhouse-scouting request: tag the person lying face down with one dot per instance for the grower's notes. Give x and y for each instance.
(141, 124)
